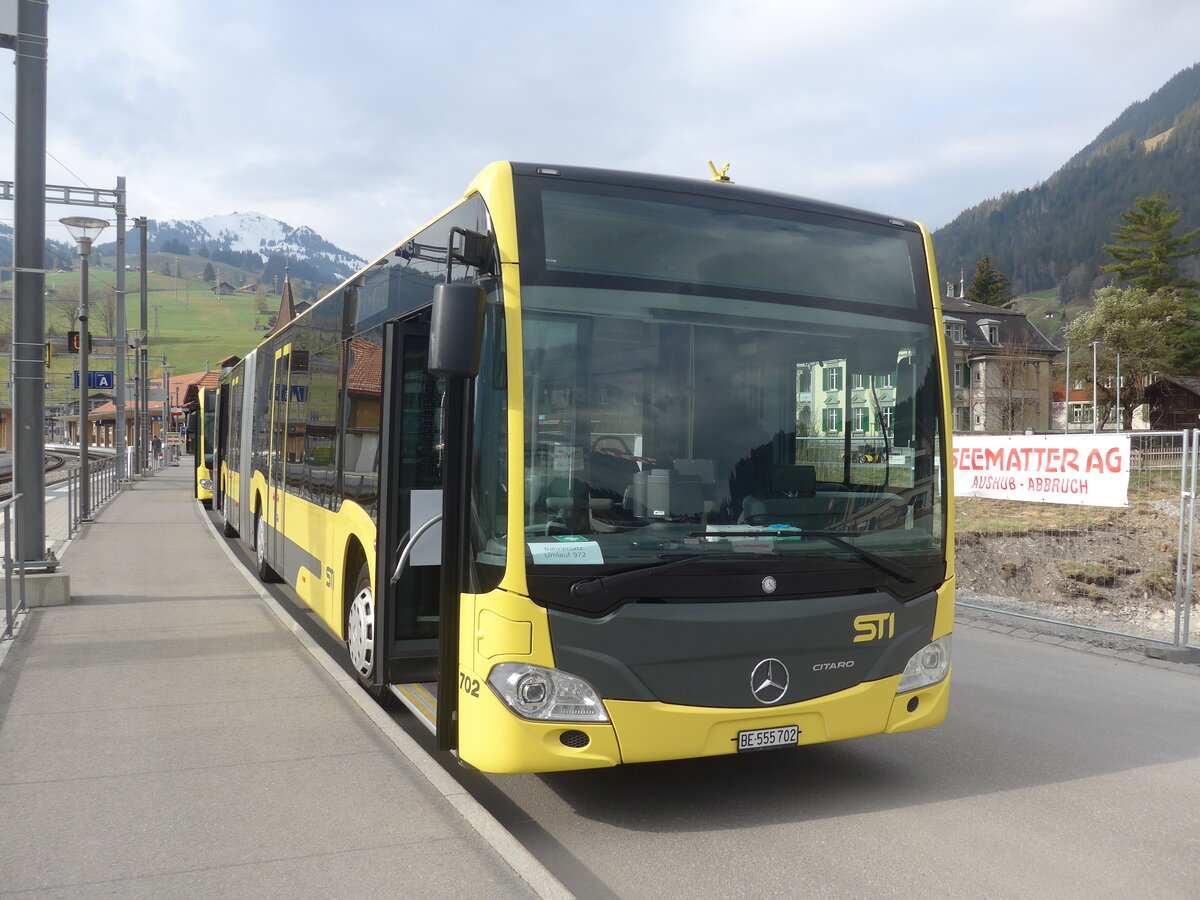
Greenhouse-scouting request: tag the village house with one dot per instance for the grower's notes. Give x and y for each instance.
(1000, 367)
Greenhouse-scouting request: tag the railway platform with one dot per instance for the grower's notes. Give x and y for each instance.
(169, 733)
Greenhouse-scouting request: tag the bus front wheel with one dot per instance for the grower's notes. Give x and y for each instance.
(230, 531)
(265, 572)
(360, 636)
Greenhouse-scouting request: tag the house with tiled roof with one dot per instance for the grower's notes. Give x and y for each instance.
(1174, 402)
(1000, 367)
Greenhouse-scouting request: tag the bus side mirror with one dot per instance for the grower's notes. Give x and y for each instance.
(456, 332)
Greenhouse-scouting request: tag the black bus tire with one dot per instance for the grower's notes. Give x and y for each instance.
(361, 642)
(265, 572)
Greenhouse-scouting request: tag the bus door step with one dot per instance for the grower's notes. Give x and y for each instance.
(421, 699)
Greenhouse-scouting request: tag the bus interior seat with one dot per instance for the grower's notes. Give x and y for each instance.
(609, 480)
(793, 481)
(705, 470)
(609, 476)
(791, 499)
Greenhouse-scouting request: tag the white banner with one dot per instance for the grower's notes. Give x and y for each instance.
(1080, 469)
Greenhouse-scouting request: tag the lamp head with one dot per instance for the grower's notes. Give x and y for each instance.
(84, 229)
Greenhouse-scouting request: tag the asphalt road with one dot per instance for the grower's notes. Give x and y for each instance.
(1059, 773)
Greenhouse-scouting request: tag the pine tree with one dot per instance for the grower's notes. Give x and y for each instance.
(989, 285)
(209, 275)
(1146, 250)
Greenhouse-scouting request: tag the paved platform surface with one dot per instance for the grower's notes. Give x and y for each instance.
(167, 734)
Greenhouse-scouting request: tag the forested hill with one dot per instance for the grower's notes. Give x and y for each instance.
(1051, 235)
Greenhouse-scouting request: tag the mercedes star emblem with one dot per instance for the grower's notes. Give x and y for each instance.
(769, 584)
(769, 681)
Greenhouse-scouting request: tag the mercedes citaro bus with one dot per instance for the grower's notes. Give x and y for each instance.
(578, 472)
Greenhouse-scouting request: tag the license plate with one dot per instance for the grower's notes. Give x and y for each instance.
(768, 738)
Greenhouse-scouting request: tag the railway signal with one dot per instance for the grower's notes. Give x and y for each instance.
(73, 342)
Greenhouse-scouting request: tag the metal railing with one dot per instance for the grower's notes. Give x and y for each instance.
(1121, 570)
(102, 484)
(12, 560)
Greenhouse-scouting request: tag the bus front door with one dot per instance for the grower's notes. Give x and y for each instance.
(410, 490)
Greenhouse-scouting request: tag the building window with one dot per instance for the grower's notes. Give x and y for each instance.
(962, 375)
(833, 378)
(885, 381)
(993, 334)
(962, 418)
(833, 419)
(862, 418)
(858, 381)
(956, 332)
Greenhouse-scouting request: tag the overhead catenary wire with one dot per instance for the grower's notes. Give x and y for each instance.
(65, 167)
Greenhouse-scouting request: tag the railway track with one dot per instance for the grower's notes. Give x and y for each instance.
(54, 462)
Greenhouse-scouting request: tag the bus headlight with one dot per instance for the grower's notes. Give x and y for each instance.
(928, 665)
(547, 695)
(206, 484)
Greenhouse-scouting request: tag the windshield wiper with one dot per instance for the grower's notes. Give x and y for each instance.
(895, 569)
(837, 538)
(604, 582)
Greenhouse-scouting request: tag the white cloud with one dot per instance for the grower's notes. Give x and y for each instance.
(365, 120)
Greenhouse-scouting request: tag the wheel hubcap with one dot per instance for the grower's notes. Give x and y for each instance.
(360, 633)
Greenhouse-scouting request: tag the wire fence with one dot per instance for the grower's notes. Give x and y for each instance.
(1125, 570)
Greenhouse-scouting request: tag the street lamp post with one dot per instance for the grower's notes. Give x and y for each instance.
(167, 405)
(134, 338)
(85, 230)
(1120, 419)
(141, 223)
(1067, 394)
(1095, 418)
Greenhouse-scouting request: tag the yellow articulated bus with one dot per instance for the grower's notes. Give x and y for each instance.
(575, 471)
(202, 437)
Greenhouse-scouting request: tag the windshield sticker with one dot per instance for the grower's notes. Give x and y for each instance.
(742, 538)
(568, 550)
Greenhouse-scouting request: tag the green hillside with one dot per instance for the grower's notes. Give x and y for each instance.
(186, 322)
(1049, 237)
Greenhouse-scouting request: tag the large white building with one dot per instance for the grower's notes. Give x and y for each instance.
(1000, 368)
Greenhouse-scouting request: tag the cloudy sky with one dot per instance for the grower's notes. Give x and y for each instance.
(365, 118)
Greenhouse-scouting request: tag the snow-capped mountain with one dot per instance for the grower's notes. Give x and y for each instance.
(237, 237)
(259, 244)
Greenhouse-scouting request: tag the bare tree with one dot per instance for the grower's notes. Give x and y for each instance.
(103, 310)
(1006, 391)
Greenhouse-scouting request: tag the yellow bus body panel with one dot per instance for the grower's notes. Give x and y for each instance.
(494, 739)
(649, 732)
(943, 355)
(203, 474)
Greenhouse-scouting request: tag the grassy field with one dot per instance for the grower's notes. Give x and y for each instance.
(1043, 310)
(186, 322)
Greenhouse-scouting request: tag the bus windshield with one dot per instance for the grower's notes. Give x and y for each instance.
(716, 379)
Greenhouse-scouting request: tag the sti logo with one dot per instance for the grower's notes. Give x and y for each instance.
(875, 627)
